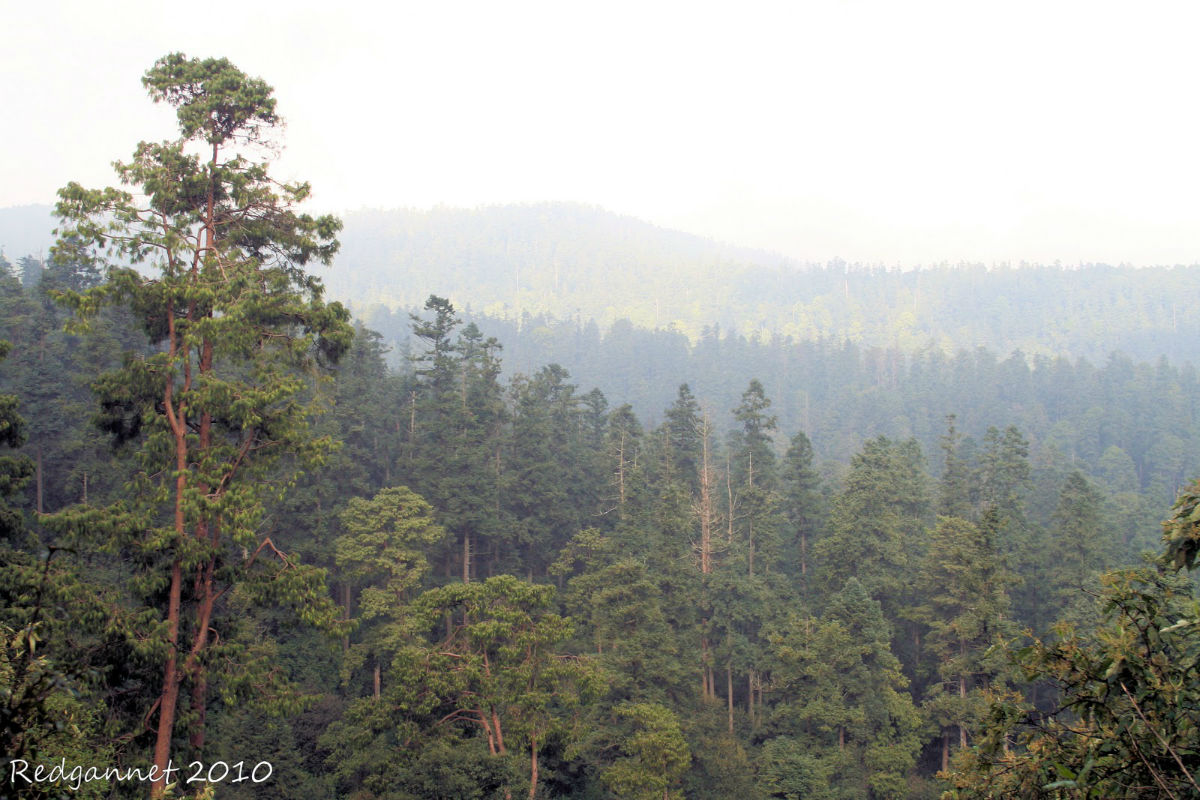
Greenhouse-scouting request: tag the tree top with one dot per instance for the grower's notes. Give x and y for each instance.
(213, 99)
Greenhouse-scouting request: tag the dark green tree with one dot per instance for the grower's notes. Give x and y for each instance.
(1079, 549)
(963, 584)
(954, 496)
(841, 703)
(803, 503)
(539, 491)
(876, 521)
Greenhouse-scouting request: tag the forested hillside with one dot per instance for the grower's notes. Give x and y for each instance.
(582, 264)
(1141, 415)
(246, 552)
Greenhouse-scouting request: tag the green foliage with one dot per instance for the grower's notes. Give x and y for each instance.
(654, 754)
(963, 584)
(1125, 723)
(384, 547)
(478, 667)
(219, 408)
(875, 520)
(733, 633)
(844, 702)
(1181, 533)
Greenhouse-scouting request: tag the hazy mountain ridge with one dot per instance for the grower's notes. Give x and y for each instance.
(559, 258)
(572, 261)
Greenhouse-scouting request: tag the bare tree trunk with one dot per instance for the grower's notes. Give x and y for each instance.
(729, 493)
(621, 475)
(466, 557)
(533, 767)
(706, 501)
(962, 691)
(706, 514)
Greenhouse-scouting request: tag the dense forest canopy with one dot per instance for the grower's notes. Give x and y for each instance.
(875, 554)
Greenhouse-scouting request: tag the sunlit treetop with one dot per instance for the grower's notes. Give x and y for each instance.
(213, 99)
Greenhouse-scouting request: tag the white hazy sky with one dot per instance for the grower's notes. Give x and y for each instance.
(901, 133)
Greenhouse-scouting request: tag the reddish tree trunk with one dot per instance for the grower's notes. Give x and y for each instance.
(533, 768)
(170, 690)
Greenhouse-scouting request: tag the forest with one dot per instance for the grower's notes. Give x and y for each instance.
(254, 547)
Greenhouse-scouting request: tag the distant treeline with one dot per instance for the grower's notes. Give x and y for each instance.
(581, 262)
(1132, 425)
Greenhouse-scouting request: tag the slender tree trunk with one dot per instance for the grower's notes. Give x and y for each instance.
(499, 732)
(412, 427)
(750, 549)
(962, 731)
(208, 534)
(466, 557)
(378, 679)
(729, 493)
(750, 522)
(706, 502)
(533, 767)
(707, 516)
(491, 735)
(40, 507)
(200, 709)
(945, 751)
(729, 691)
(621, 475)
(169, 696)
(170, 690)
(962, 691)
(204, 611)
(346, 606)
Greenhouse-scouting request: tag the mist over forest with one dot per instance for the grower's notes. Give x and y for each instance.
(547, 501)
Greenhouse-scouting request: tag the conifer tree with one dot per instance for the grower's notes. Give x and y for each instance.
(238, 327)
(1079, 547)
(963, 583)
(540, 492)
(876, 520)
(802, 500)
(954, 487)
(841, 700)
